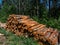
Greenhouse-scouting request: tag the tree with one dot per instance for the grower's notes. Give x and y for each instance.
(54, 10)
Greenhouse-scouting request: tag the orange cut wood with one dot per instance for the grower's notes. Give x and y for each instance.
(24, 25)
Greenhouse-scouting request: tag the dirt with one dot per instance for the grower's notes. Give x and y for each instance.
(2, 39)
(2, 25)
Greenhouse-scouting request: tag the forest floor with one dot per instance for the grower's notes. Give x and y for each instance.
(8, 38)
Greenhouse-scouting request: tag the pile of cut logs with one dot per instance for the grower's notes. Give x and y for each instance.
(24, 25)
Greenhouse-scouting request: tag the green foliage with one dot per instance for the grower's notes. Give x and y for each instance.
(54, 23)
(54, 12)
(35, 18)
(43, 11)
(5, 11)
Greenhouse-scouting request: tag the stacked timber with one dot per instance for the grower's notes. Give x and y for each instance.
(24, 25)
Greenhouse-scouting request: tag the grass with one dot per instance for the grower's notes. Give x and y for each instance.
(12, 39)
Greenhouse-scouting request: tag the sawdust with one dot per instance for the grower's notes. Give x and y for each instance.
(2, 25)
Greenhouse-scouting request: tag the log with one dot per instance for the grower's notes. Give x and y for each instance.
(24, 25)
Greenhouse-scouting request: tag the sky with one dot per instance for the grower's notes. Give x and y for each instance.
(0, 2)
(47, 4)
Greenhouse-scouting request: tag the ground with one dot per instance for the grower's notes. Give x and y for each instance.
(2, 39)
(11, 39)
